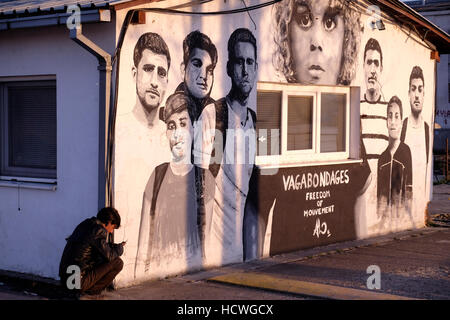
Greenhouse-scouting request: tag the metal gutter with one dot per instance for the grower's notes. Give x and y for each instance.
(87, 16)
(105, 68)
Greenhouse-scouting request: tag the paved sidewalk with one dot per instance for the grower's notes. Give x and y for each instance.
(414, 264)
(6, 293)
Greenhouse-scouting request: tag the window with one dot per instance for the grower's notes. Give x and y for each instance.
(298, 123)
(28, 129)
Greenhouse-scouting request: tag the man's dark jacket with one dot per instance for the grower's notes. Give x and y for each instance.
(395, 179)
(87, 247)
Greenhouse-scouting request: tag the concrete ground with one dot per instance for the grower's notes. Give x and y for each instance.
(8, 293)
(439, 208)
(413, 264)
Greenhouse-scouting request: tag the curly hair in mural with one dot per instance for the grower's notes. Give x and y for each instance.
(339, 20)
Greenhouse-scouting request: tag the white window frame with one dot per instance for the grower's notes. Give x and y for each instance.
(310, 156)
(19, 174)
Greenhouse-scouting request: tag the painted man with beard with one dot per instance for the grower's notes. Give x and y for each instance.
(221, 146)
(140, 143)
(170, 233)
(373, 108)
(374, 132)
(416, 134)
(150, 73)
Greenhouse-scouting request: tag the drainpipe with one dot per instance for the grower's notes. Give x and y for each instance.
(104, 67)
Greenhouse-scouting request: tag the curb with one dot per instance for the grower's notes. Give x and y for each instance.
(302, 288)
(34, 285)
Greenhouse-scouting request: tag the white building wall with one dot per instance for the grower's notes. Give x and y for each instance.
(32, 239)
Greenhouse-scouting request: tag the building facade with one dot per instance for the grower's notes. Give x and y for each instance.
(221, 132)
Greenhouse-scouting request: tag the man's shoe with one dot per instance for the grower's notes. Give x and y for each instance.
(110, 287)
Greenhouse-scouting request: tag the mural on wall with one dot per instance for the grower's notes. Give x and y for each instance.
(185, 141)
(183, 164)
(139, 130)
(150, 72)
(222, 149)
(317, 42)
(394, 185)
(304, 207)
(197, 68)
(416, 134)
(173, 194)
(374, 131)
(394, 193)
(400, 188)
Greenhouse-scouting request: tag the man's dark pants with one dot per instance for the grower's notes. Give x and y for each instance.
(95, 280)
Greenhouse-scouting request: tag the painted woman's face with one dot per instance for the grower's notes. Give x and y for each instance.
(316, 35)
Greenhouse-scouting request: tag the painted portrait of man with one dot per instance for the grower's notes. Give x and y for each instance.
(374, 132)
(150, 73)
(220, 147)
(394, 185)
(139, 131)
(197, 70)
(416, 134)
(170, 233)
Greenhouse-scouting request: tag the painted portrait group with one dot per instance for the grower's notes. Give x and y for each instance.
(192, 199)
(187, 135)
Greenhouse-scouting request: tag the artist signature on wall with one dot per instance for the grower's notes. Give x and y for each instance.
(321, 229)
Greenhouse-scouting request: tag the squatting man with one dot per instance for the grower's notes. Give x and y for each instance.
(89, 250)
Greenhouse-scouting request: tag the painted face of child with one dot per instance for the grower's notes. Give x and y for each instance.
(316, 35)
